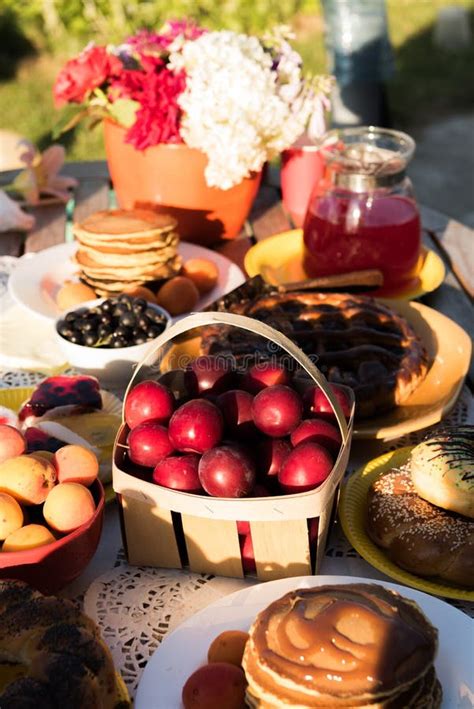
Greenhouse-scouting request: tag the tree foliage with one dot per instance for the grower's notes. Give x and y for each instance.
(53, 23)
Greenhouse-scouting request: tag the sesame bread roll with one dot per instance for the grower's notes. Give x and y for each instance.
(417, 535)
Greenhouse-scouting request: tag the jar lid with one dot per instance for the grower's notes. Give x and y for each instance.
(365, 157)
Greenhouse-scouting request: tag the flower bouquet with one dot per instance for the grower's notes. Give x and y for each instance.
(230, 102)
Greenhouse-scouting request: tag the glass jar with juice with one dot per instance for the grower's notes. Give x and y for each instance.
(363, 213)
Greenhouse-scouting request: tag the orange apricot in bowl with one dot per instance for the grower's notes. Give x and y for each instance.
(11, 515)
(68, 506)
(178, 295)
(27, 479)
(229, 647)
(76, 464)
(30, 536)
(12, 442)
(203, 273)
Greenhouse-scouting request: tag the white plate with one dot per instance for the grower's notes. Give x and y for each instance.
(38, 277)
(185, 649)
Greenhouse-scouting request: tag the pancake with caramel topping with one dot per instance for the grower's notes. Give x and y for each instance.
(354, 645)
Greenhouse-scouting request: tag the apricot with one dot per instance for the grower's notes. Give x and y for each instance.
(68, 506)
(215, 686)
(11, 515)
(27, 479)
(71, 294)
(178, 295)
(76, 464)
(203, 273)
(141, 292)
(28, 537)
(229, 647)
(12, 442)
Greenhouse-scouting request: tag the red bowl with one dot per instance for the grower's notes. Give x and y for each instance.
(52, 566)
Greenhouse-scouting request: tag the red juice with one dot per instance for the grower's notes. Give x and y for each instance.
(346, 231)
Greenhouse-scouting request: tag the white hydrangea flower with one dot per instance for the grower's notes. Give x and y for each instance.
(241, 106)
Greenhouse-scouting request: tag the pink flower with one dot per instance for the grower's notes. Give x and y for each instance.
(83, 74)
(185, 29)
(41, 177)
(147, 41)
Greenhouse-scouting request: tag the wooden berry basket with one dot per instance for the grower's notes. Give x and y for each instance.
(171, 529)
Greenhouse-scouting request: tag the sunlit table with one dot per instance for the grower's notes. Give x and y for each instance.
(136, 607)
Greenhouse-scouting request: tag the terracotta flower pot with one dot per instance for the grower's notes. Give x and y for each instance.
(170, 178)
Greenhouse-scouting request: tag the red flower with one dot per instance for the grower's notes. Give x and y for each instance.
(157, 90)
(81, 75)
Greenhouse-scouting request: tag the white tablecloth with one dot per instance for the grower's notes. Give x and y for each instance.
(135, 607)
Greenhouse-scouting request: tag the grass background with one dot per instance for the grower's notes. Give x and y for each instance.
(429, 83)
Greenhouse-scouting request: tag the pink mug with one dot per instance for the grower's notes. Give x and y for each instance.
(301, 167)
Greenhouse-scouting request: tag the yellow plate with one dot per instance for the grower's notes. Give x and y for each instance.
(449, 349)
(279, 259)
(352, 509)
(13, 398)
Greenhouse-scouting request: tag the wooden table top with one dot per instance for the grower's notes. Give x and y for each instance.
(447, 237)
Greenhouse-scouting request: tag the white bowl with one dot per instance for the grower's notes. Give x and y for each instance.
(112, 366)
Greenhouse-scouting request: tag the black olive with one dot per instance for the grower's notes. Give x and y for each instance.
(150, 313)
(106, 306)
(128, 319)
(70, 317)
(65, 330)
(90, 339)
(155, 316)
(90, 325)
(153, 331)
(142, 321)
(76, 339)
(118, 342)
(124, 332)
(104, 330)
(139, 305)
(120, 309)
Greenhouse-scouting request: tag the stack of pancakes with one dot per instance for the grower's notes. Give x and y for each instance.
(120, 248)
(354, 645)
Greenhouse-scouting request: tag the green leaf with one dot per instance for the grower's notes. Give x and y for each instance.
(123, 111)
(70, 117)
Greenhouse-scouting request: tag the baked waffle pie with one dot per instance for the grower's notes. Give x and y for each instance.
(354, 645)
(424, 538)
(120, 248)
(353, 339)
